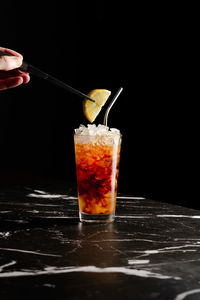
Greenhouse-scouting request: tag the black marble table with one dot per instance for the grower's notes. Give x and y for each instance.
(151, 251)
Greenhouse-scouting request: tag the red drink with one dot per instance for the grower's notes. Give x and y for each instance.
(97, 167)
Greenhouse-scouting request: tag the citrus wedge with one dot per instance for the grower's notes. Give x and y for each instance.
(92, 109)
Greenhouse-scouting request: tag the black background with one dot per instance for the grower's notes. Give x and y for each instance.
(145, 48)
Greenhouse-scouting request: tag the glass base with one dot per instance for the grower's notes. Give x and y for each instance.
(90, 218)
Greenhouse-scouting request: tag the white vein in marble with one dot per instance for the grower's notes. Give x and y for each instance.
(29, 252)
(178, 216)
(4, 234)
(45, 195)
(13, 262)
(89, 269)
(60, 217)
(49, 285)
(130, 197)
(185, 294)
(135, 217)
(138, 261)
(172, 249)
(29, 204)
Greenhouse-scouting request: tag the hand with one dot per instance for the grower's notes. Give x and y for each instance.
(10, 76)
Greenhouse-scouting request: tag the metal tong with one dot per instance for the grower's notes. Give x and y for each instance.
(40, 74)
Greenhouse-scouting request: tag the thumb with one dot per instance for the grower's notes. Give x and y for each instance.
(8, 63)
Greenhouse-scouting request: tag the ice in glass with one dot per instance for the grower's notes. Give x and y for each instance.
(97, 154)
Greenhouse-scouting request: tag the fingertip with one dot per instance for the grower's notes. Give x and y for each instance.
(19, 80)
(26, 78)
(18, 61)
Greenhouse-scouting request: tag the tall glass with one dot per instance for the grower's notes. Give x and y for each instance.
(97, 169)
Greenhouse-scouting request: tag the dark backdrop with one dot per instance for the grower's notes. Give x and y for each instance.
(99, 44)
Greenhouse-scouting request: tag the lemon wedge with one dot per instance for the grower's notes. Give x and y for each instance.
(92, 109)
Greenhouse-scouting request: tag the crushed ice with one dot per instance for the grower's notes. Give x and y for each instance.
(92, 129)
(100, 134)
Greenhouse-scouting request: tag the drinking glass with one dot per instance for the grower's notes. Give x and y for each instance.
(97, 168)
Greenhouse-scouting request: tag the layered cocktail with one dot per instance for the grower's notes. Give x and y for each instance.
(97, 153)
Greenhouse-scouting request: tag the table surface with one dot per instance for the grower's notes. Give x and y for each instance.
(151, 251)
